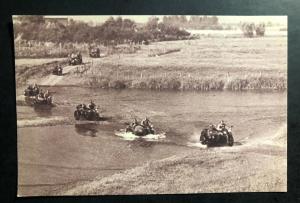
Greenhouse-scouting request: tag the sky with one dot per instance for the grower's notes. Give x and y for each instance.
(222, 19)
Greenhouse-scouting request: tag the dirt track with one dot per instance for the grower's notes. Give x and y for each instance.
(52, 80)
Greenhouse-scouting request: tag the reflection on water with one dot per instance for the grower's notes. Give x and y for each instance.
(43, 110)
(86, 129)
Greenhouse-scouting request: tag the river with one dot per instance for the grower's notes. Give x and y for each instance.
(63, 153)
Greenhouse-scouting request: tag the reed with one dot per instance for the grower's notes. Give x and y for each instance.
(167, 80)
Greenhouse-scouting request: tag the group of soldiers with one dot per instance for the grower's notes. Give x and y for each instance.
(219, 128)
(144, 123)
(85, 108)
(34, 90)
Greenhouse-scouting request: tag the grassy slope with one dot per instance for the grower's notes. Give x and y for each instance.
(193, 173)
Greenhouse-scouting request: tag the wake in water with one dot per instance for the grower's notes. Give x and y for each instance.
(274, 138)
(39, 121)
(194, 141)
(130, 136)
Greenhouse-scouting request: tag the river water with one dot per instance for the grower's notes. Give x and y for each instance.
(63, 152)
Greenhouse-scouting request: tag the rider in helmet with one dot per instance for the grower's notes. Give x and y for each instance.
(92, 105)
(46, 94)
(145, 122)
(40, 95)
(84, 107)
(29, 90)
(35, 89)
(213, 127)
(79, 107)
(29, 87)
(134, 123)
(221, 126)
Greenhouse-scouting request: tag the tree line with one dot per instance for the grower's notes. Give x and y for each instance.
(112, 31)
(194, 22)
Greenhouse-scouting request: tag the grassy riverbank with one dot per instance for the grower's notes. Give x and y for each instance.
(204, 64)
(175, 78)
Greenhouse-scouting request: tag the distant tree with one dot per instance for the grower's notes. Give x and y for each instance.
(248, 29)
(183, 19)
(112, 31)
(31, 19)
(152, 23)
(260, 29)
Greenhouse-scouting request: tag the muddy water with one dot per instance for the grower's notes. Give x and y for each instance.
(62, 153)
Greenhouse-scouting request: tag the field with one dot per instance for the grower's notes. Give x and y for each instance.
(203, 64)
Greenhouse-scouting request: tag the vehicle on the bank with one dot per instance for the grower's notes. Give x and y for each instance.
(84, 113)
(75, 58)
(58, 70)
(94, 52)
(213, 137)
(142, 129)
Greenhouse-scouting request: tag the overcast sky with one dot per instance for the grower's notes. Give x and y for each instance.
(222, 19)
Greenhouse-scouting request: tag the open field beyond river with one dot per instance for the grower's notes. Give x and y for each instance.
(204, 64)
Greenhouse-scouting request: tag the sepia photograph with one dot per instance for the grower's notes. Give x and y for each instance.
(150, 104)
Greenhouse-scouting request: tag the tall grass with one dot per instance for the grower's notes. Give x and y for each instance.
(167, 80)
(40, 51)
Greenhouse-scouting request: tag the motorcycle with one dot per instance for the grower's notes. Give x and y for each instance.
(214, 137)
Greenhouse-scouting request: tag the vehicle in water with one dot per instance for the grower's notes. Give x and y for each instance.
(143, 129)
(35, 96)
(84, 113)
(217, 137)
(58, 70)
(75, 58)
(94, 52)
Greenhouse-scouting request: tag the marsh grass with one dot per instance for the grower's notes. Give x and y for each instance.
(120, 77)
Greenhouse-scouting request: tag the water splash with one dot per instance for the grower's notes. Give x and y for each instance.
(130, 136)
(198, 145)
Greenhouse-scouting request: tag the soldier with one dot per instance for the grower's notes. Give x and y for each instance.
(134, 123)
(221, 126)
(35, 89)
(29, 91)
(40, 95)
(147, 124)
(46, 94)
(92, 105)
